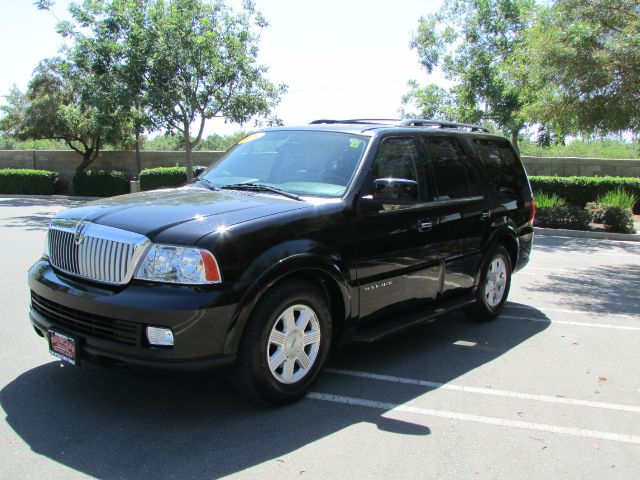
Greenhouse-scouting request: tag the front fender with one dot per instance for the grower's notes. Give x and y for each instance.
(279, 262)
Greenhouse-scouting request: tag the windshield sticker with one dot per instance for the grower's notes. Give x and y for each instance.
(250, 138)
(355, 143)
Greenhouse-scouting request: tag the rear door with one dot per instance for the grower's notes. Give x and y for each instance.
(398, 261)
(464, 202)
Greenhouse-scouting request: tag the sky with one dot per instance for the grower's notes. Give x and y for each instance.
(340, 59)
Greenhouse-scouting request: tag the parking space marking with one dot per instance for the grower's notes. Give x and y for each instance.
(575, 312)
(464, 417)
(576, 324)
(485, 391)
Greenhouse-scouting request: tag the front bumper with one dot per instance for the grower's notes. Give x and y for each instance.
(110, 322)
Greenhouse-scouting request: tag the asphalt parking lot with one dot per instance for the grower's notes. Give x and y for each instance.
(551, 389)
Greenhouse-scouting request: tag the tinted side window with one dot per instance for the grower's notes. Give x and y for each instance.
(396, 158)
(501, 165)
(454, 178)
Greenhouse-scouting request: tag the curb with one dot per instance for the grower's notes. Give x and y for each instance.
(50, 197)
(561, 232)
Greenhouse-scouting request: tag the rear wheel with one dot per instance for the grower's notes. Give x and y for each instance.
(493, 289)
(285, 345)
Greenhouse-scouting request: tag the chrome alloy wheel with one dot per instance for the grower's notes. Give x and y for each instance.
(496, 281)
(293, 344)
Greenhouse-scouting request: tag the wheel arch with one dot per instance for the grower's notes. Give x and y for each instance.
(323, 272)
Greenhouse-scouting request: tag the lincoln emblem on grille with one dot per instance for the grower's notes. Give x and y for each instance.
(78, 234)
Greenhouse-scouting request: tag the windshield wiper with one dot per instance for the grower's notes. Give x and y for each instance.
(209, 185)
(261, 187)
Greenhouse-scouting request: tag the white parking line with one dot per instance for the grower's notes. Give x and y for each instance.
(542, 427)
(575, 312)
(576, 324)
(485, 391)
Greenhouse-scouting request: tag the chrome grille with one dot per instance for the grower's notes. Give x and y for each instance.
(96, 252)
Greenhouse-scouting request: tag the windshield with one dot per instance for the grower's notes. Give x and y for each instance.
(299, 162)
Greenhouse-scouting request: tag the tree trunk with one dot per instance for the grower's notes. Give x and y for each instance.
(188, 147)
(87, 159)
(514, 140)
(138, 161)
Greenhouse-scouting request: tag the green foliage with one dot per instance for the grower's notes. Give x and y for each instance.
(581, 190)
(547, 201)
(176, 142)
(100, 183)
(618, 198)
(27, 181)
(162, 177)
(582, 65)
(12, 143)
(618, 219)
(473, 42)
(605, 148)
(562, 216)
(65, 102)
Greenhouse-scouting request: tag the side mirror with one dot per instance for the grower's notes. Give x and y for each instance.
(392, 194)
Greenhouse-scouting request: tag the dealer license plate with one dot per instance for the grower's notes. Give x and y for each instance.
(63, 347)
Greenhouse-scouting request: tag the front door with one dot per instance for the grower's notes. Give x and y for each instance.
(398, 262)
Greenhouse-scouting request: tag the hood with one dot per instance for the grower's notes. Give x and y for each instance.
(181, 215)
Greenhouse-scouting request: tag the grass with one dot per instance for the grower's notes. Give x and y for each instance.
(544, 200)
(585, 149)
(619, 198)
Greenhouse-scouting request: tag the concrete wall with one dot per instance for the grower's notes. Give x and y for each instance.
(65, 162)
(583, 167)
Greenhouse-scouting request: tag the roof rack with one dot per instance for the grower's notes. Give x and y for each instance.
(410, 122)
(422, 122)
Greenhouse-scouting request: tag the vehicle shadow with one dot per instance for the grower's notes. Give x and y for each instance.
(118, 424)
(605, 290)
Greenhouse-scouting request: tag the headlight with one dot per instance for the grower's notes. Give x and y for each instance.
(45, 253)
(173, 264)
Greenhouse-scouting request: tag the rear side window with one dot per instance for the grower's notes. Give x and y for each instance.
(454, 176)
(501, 164)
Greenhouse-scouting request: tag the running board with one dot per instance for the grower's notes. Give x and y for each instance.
(375, 331)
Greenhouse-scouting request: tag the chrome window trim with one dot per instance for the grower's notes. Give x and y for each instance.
(433, 204)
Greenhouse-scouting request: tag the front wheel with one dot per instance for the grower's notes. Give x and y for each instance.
(493, 289)
(285, 345)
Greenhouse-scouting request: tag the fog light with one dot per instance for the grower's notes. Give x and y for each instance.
(160, 336)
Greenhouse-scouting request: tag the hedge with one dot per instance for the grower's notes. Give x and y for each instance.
(581, 190)
(163, 177)
(100, 183)
(27, 181)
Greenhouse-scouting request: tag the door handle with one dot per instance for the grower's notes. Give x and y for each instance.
(425, 225)
(485, 215)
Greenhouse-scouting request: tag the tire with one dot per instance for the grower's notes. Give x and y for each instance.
(494, 285)
(285, 344)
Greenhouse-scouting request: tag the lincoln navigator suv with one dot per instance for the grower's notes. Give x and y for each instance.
(296, 241)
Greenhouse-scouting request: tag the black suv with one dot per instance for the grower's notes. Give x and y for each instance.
(294, 241)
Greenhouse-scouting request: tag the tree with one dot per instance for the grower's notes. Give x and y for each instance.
(473, 42)
(582, 58)
(203, 64)
(63, 102)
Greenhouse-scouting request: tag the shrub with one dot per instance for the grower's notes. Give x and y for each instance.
(27, 182)
(100, 183)
(163, 177)
(562, 216)
(595, 211)
(581, 190)
(618, 219)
